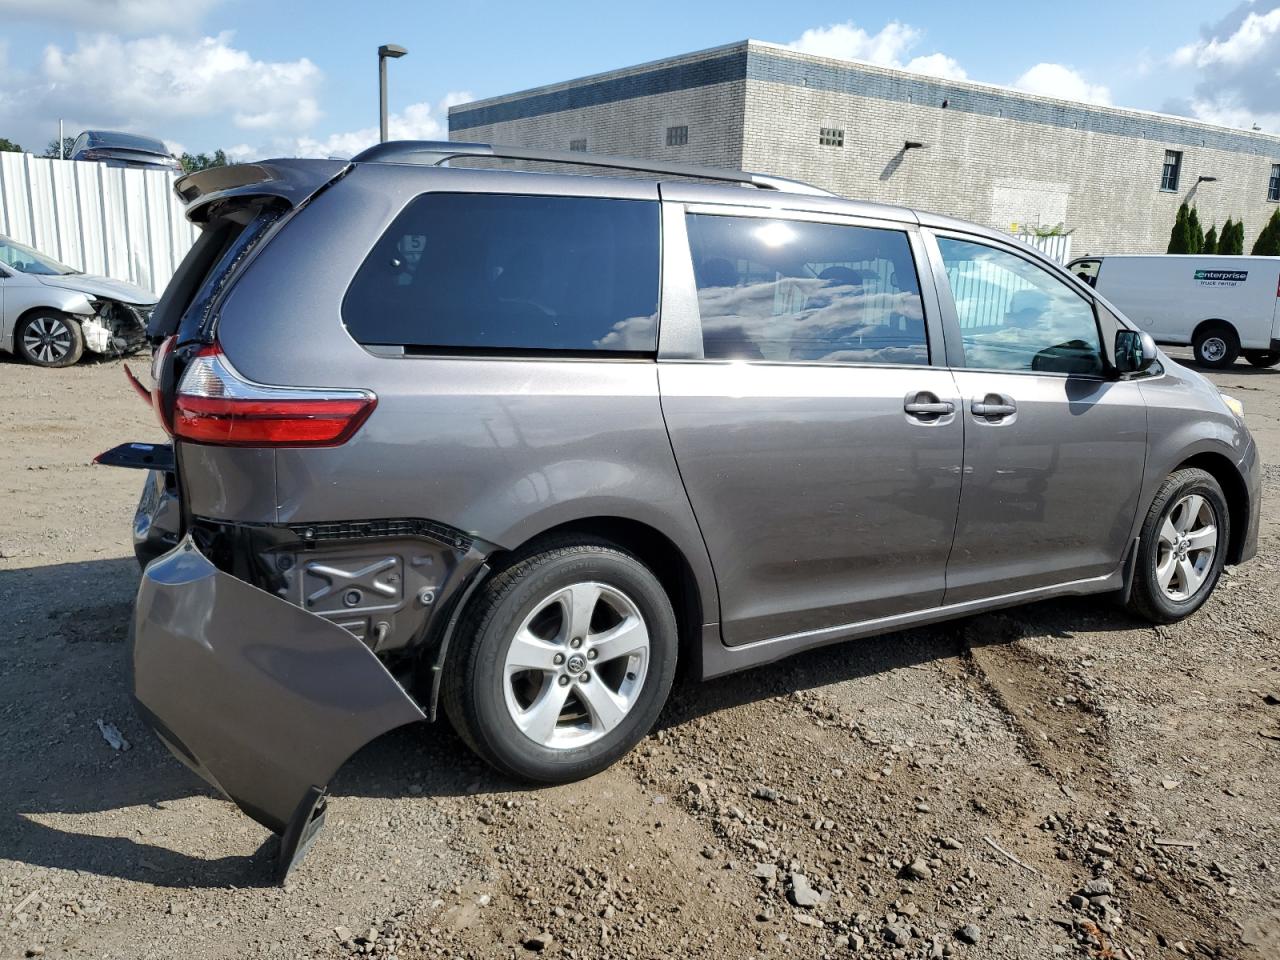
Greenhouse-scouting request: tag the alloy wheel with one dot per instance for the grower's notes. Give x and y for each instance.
(48, 339)
(1188, 542)
(576, 665)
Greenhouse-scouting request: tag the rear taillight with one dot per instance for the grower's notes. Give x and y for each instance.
(216, 405)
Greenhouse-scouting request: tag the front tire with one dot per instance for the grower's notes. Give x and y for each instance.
(49, 339)
(1216, 346)
(1262, 358)
(562, 662)
(1182, 547)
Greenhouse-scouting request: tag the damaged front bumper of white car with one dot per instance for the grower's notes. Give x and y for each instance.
(115, 328)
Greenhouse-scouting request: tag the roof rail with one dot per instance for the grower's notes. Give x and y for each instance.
(435, 153)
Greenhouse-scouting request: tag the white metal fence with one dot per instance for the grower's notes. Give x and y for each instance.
(1058, 246)
(119, 223)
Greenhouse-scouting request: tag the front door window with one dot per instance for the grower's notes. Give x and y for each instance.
(1015, 315)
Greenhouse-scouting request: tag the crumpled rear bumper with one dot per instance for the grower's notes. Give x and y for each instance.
(261, 698)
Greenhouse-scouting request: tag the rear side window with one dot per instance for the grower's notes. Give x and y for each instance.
(460, 271)
(788, 290)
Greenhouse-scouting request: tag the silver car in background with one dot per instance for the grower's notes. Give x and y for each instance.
(52, 314)
(517, 444)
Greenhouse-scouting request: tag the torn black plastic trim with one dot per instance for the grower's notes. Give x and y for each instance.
(446, 637)
(301, 832)
(138, 456)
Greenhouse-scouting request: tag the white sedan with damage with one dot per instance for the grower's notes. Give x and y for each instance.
(51, 314)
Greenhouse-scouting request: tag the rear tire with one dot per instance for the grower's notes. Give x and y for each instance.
(1216, 346)
(562, 662)
(1262, 358)
(48, 338)
(1182, 547)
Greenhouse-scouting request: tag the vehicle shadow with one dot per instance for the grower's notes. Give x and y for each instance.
(63, 667)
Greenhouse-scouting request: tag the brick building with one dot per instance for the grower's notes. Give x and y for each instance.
(990, 154)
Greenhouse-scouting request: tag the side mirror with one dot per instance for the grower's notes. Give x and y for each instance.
(1135, 351)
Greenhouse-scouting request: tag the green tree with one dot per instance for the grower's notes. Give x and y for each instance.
(1211, 240)
(1195, 233)
(8, 146)
(1268, 242)
(1237, 239)
(1180, 238)
(1231, 240)
(51, 151)
(202, 161)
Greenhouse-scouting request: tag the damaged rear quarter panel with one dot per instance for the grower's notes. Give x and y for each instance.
(265, 700)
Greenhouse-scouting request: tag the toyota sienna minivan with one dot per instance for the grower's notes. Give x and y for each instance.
(518, 445)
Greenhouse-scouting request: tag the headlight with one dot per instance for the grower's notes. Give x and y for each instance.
(1234, 405)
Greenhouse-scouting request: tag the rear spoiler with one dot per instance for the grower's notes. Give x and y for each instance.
(293, 181)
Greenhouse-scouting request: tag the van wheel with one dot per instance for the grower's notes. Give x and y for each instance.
(1182, 547)
(568, 658)
(1262, 358)
(1216, 346)
(49, 339)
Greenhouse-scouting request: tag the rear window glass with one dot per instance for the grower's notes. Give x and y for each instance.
(498, 272)
(127, 141)
(793, 291)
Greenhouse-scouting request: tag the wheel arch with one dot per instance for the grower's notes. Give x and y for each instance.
(1234, 489)
(1211, 322)
(651, 547)
(647, 543)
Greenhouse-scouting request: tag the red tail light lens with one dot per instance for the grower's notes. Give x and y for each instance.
(216, 405)
(158, 360)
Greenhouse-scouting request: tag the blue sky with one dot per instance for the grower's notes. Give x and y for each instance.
(258, 77)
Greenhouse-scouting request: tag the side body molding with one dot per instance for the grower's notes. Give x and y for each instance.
(261, 698)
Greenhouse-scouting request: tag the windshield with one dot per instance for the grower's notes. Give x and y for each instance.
(25, 260)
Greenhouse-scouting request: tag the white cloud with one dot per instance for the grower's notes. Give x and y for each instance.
(1251, 39)
(1056, 80)
(126, 16)
(887, 48)
(937, 65)
(419, 121)
(148, 83)
(1238, 65)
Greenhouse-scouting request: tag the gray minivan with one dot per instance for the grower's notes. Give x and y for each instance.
(522, 443)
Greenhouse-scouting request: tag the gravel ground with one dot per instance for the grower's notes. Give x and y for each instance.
(1056, 780)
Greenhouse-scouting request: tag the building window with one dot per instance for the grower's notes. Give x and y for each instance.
(1273, 185)
(578, 146)
(1172, 170)
(831, 137)
(677, 136)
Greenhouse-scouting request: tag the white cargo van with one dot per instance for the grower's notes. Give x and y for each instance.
(1222, 306)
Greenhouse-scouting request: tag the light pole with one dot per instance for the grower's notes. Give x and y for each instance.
(387, 51)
